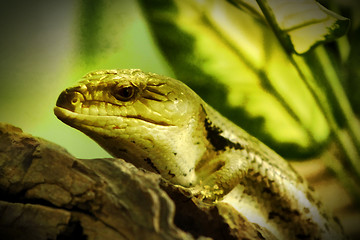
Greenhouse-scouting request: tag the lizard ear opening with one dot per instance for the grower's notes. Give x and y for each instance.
(124, 93)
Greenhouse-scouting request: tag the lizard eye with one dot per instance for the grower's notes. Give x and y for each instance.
(124, 93)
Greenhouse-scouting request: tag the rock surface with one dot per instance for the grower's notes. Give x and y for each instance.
(46, 193)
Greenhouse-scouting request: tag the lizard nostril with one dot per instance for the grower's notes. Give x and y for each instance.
(75, 100)
(69, 99)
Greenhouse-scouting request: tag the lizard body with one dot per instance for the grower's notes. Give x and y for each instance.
(159, 124)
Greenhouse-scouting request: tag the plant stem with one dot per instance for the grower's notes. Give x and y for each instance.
(348, 147)
(340, 96)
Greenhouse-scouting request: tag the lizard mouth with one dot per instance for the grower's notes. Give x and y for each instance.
(78, 119)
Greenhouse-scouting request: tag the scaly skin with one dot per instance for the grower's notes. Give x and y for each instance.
(160, 124)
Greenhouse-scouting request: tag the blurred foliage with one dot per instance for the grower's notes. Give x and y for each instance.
(304, 24)
(105, 38)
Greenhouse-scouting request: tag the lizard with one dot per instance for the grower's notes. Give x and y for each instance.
(159, 124)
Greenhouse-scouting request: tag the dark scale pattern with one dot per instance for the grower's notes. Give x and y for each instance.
(148, 161)
(171, 174)
(219, 142)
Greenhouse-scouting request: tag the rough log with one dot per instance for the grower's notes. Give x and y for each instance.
(46, 193)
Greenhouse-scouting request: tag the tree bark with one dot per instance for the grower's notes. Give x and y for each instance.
(46, 193)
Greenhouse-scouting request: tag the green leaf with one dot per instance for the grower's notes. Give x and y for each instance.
(235, 62)
(303, 24)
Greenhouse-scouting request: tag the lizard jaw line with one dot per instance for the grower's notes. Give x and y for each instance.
(97, 121)
(77, 119)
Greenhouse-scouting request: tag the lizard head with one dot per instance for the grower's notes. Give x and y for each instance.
(144, 118)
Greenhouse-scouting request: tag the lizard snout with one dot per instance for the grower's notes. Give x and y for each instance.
(69, 99)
